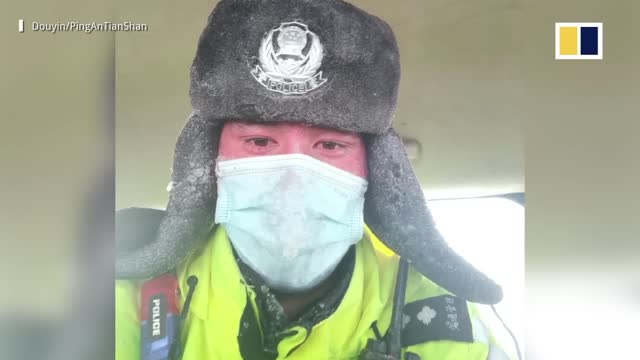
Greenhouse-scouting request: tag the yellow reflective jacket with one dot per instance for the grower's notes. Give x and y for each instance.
(215, 318)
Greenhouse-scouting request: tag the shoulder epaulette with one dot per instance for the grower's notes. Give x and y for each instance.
(443, 317)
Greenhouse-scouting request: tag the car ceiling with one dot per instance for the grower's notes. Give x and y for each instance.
(457, 111)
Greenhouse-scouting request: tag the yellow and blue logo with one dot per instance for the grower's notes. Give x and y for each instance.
(578, 41)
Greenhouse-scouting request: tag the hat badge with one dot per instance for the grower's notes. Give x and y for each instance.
(289, 59)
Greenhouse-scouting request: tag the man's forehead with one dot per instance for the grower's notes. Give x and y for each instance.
(250, 125)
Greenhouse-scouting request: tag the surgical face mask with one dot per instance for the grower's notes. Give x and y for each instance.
(291, 218)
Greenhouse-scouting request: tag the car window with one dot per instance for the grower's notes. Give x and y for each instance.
(489, 233)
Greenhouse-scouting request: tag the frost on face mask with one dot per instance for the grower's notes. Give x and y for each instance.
(290, 222)
(289, 217)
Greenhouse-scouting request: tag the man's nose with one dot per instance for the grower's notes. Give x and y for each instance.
(293, 146)
(295, 141)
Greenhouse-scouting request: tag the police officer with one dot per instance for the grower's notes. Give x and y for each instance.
(295, 226)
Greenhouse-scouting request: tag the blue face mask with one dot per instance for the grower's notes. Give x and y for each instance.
(291, 218)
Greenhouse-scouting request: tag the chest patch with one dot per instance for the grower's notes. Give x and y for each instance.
(439, 318)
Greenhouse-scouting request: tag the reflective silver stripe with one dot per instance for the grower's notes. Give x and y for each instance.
(495, 353)
(480, 333)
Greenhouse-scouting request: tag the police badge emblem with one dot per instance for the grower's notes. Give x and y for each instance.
(290, 57)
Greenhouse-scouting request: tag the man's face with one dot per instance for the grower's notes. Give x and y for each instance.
(344, 150)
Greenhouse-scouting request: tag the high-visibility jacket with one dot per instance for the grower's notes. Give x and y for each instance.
(437, 325)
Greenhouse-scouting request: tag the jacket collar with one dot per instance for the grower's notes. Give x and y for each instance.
(220, 279)
(218, 276)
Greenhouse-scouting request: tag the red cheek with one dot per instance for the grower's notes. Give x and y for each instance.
(355, 164)
(231, 149)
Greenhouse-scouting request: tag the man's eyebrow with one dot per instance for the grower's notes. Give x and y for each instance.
(338, 133)
(245, 124)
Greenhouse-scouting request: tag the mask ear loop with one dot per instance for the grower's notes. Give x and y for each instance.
(513, 337)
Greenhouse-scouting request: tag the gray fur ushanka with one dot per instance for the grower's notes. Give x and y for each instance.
(360, 63)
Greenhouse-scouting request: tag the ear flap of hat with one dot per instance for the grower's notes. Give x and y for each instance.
(190, 212)
(396, 211)
(135, 228)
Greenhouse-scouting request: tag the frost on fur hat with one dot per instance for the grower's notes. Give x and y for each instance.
(321, 62)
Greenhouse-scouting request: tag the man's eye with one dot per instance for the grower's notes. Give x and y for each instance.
(259, 142)
(330, 145)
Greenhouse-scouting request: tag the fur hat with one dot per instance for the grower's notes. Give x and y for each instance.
(321, 62)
